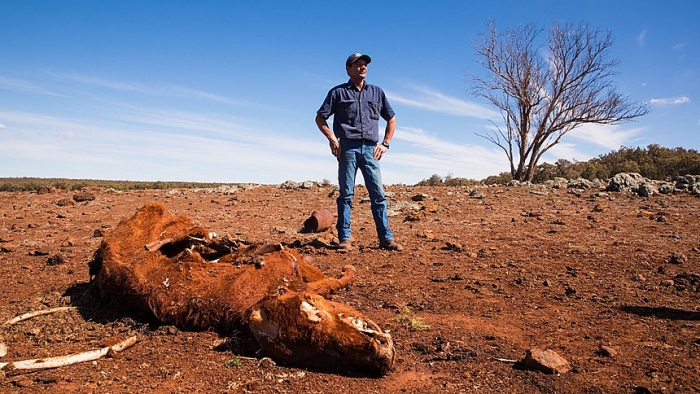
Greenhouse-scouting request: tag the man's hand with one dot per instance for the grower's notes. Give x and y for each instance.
(332, 140)
(379, 151)
(335, 147)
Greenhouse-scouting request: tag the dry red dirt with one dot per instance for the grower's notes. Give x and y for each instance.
(489, 278)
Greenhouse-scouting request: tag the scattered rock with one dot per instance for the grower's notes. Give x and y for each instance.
(580, 183)
(476, 194)
(414, 217)
(7, 247)
(647, 189)
(56, 259)
(298, 185)
(83, 197)
(685, 281)
(38, 253)
(644, 187)
(419, 197)
(607, 351)
(547, 361)
(43, 190)
(426, 234)
(227, 189)
(600, 208)
(455, 247)
(677, 258)
(625, 182)
(395, 208)
(64, 202)
(23, 383)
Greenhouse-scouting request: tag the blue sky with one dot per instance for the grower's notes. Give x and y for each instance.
(227, 91)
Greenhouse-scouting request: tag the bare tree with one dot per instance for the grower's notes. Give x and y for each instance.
(544, 94)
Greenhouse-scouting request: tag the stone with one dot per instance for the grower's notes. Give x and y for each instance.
(668, 283)
(547, 361)
(647, 189)
(83, 196)
(56, 259)
(607, 351)
(579, 183)
(677, 258)
(625, 182)
(419, 197)
(7, 247)
(64, 202)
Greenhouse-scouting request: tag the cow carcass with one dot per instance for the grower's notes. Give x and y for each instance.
(166, 267)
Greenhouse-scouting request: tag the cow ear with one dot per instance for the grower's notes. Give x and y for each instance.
(261, 326)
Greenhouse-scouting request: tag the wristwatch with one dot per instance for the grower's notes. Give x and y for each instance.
(386, 144)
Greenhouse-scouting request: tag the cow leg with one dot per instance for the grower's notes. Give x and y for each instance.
(326, 286)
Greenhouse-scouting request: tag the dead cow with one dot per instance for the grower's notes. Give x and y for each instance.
(162, 265)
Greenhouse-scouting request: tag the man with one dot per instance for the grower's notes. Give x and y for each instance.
(356, 107)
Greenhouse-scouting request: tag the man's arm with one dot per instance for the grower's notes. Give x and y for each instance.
(380, 149)
(389, 131)
(332, 141)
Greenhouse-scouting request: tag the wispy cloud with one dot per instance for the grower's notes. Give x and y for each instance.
(169, 90)
(565, 150)
(670, 100)
(103, 83)
(194, 93)
(642, 37)
(2, 126)
(157, 145)
(432, 100)
(608, 136)
(19, 85)
(430, 154)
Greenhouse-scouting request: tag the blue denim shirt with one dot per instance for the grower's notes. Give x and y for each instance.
(356, 113)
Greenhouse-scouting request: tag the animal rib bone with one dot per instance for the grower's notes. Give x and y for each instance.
(30, 315)
(61, 361)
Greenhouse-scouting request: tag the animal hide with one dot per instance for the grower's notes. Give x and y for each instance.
(165, 267)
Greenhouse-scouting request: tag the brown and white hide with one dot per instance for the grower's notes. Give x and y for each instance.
(162, 265)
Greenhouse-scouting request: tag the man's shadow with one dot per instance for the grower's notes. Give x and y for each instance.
(661, 312)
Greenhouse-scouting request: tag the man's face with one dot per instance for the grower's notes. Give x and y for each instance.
(358, 69)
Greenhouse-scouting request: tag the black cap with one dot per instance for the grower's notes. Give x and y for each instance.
(355, 57)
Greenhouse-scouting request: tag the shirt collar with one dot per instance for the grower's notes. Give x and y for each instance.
(351, 85)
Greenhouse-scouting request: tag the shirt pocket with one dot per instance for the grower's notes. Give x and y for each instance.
(348, 108)
(374, 110)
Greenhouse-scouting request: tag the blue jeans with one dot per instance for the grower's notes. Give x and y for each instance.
(354, 155)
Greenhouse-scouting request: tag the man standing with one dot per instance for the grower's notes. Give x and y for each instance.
(356, 107)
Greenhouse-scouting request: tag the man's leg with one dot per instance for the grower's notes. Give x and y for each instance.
(373, 181)
(347, 170)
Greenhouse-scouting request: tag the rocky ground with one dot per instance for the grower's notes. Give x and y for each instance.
(609, 281)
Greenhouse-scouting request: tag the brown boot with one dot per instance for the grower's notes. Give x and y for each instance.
(390, 245)
(345, 246)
